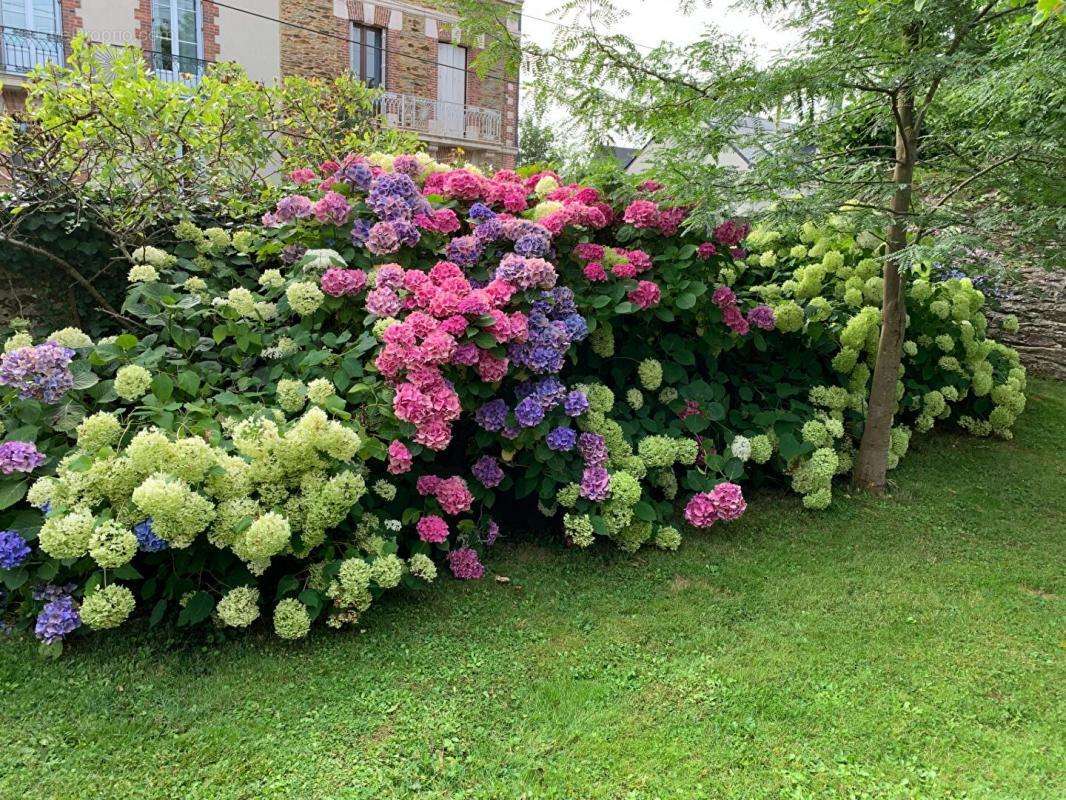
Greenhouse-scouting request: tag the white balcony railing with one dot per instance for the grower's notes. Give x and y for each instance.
(441, 118)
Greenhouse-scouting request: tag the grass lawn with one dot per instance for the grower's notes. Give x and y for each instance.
(908, 647)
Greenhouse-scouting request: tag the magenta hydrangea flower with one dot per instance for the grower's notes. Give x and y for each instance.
(702, 510)
(465, 564)
(706, 250)
(400, 460)
(432, 529)
(642, 214)
(646, 295)
(731, 233)
(383, 302)
(723, 297)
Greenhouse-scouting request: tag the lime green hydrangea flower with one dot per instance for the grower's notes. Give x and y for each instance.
(788, 317)
(635, 399)
(67, 536)
(132, 382)
(304, 298)
(291, 395)
(112, 545)
(568, 495)
(422, 566)
(142, 273)
(668, 395)
(98, 431)
(387, 571)
(239, 607)
(687, 450)
(320, 390)
(657, 451)
(668, 538)
(74, 338)
(17, 341)
(1009, 323)
(601, 341)
(107, 607)
(291, 620)
(650, 373)
(579, 529)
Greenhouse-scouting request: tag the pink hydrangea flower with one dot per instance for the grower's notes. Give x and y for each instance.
(729, 500)
(454, 496)
(706, 250)
(332, 209)
(624, 270)
(589, 252)
(302, 176)
(642, 214)
(400, 460)
(432, 529)
(702, 510)
(646, 295)
(340, 282)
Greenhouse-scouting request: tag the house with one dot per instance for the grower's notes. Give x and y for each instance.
(414, 51)
(740, 153)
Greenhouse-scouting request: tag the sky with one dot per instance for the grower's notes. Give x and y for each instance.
(649, 22)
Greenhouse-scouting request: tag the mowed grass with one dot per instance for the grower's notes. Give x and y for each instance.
(905, 647)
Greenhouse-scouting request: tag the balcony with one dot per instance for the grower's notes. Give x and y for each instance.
(438, 119)
(21, 50)
(176, 69)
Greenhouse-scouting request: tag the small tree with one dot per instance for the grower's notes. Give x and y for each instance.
(917, 116)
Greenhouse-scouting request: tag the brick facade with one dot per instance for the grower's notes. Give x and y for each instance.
(70, 17)
(411, 33)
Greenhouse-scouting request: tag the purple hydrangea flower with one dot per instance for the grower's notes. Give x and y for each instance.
(20, 457)
(465, 564)
(58, 618)
(562, 439)
(292, 253)
(147, 539)
(493, 533)
(13, 550)
(357, 173)
(529, 412)
(595, 483)
(762, 317)
(464, 250)
(510, 432)
(532, 245)
(492, 415)
(360, 232)
(479, 212)
(575, 403)
(487, 470)
(593, 449)
(38, 373)
(489, 231)
(383, 239)
(295, 206)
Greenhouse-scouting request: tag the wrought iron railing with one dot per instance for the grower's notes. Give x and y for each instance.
(176, 69)
(441, 118)
(21, 50)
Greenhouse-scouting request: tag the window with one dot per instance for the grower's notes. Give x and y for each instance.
(30, 30)
(177, 36)
(368, 55)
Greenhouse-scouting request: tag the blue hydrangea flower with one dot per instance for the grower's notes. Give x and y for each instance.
(13, 550)
(146, 538)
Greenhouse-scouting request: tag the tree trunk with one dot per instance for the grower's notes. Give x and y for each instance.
(871, 465)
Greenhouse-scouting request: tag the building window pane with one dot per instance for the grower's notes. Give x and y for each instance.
(368, 54)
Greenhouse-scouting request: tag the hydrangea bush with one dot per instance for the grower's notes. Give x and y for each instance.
(309, 412)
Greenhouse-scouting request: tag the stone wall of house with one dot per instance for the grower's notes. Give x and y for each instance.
(1038, 300)
(412, 32)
